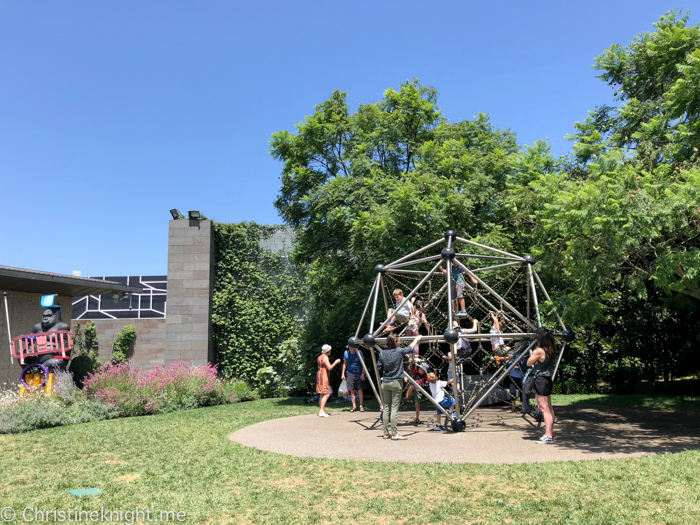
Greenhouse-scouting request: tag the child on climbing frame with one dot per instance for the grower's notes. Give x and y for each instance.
(497, 343)
(420, 376)
(398, 315)
(438, 394)
(462, 347)
(417, 319)
(458, 287)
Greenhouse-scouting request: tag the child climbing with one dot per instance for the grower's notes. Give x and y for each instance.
(458, 288)
(437, 390)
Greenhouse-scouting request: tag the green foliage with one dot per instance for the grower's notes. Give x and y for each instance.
(238, 390)
(122, 343)
(81, 366)
(78, 341)
(257, 302)
(615, 226)
(657, 79)
(92, 346)
(268, 381)
(298, 366)
(68, 406)
(367, 187)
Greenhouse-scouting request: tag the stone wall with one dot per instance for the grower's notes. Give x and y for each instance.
(188, 333)
(25, 311)
(149, 346)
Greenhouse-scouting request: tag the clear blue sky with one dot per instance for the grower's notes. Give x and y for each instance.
(111, 113)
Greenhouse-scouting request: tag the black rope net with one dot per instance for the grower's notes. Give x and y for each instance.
(494, 287)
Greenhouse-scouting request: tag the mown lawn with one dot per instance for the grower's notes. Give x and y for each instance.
(184, 462)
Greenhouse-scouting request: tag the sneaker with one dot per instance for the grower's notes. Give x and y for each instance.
(397, 437)
(462, 313)
(439, 428)
(323, 414)
(544, 440)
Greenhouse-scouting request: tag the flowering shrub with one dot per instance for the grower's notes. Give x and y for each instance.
(67, 407)
(180, 386)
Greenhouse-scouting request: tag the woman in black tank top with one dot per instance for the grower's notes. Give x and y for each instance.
(542, 363)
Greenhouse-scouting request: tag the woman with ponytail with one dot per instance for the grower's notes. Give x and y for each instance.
(542, 363)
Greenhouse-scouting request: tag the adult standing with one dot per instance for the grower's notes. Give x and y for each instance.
(542, 363)
(355, 378)
(390, 365)
(323, 378)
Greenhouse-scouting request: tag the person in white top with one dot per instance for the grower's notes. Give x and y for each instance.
(497, 343)
(438, 394)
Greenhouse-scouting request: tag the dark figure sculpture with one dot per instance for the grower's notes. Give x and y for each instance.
(51, 321)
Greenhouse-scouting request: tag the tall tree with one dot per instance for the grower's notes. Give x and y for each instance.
(366, 187)
(624, 210)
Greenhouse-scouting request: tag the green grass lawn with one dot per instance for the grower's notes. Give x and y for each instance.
(184, 462)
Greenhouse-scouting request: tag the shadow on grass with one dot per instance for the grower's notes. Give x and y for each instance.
(683, 404)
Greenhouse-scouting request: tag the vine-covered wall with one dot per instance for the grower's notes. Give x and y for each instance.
(258, 303)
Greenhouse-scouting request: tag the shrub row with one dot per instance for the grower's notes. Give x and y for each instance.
(117, 390)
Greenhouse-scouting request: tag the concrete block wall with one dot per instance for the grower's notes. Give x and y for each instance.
(191, 261)
(25, 311)
(149, 346)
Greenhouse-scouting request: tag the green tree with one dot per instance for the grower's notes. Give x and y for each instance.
(623, 211)
(78, 341)
(367, 187)
(615, 225)
(92, 346)
(657, 80)
(122, 343)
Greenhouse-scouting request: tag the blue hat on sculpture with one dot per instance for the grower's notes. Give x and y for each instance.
(47, 301)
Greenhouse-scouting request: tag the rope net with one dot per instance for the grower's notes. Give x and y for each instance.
(500, 289)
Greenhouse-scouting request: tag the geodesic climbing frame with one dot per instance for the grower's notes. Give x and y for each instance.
(494, 281)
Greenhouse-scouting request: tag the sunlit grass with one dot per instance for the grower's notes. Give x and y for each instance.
(184, 461)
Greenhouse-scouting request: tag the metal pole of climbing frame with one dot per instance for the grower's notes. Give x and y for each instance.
(534, 294)
(496, 295)
(546, 295)
(561, 354)
(369, 377)
(364, 312)
(397, 261)
(497, 382)
(453, 347)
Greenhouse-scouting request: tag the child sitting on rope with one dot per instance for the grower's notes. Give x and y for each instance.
(458, 287)
(398, 315)
(437, 390)
(497, 343)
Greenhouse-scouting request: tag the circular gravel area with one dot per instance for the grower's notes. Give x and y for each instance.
(493, 435)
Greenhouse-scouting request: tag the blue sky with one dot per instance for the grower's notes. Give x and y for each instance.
(112, 113)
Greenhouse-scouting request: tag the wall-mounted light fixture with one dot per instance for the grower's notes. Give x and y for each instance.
(176, 213)
(194, 215)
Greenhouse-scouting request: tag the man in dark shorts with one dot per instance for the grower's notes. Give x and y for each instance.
(354, 375)
(420, 376)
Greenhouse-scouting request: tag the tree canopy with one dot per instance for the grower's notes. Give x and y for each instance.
(614, 224)
(365, 187)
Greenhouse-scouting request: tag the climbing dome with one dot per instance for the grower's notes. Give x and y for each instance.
(494, 281)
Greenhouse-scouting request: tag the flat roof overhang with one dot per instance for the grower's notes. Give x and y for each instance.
(34, 281)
